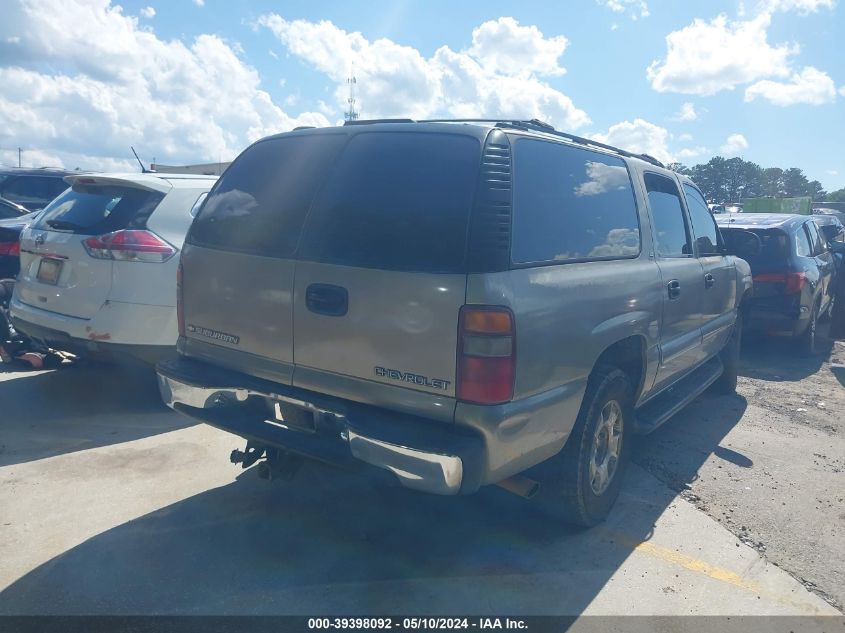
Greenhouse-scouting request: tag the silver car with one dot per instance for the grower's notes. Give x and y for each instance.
(457, 303)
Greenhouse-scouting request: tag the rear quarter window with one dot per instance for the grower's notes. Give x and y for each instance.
(571, 204)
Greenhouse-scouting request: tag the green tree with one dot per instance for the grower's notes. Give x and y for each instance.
(836, 196)
(773, 182)
(795, 183)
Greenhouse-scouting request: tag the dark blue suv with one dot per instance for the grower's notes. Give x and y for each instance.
(793, 271)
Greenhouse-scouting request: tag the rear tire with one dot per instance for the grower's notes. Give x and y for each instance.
(580, 484)
(807, 340)
(726, 383)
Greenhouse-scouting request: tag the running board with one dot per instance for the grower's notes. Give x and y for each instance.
(658, 410)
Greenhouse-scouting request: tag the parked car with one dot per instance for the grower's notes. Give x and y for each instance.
(98, 265)
(453, 303)
(9, 209)
(33, 189)
(10, 233)
(716, 208)
(793, 274)
(830, 224)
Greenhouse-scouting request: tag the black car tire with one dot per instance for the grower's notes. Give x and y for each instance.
(726, 383)
(807, 340)
(566, 490)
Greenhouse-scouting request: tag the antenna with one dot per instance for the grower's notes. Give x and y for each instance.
(143, 169)
(351, 114)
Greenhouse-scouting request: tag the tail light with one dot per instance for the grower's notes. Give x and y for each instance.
(129, 246)
(10, 249)
(793, 283)
(486, 355)
(180, 313)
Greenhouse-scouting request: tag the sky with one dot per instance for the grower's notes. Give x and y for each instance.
(193, 81)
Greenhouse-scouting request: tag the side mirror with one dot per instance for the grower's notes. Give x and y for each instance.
(744, 244)
(837, 247)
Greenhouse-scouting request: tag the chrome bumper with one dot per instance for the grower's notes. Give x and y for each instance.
(429, 472)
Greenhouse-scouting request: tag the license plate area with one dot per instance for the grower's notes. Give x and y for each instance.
(49, 271)
(288, 416)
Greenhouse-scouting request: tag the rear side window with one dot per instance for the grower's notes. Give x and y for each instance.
(706, 233)
(802, 243)
(396, 201)
(571, 204)
(94, 210)
(259, 204)
(667, 214)
(817, 240)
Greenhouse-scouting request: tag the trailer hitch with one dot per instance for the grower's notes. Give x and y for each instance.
(247, 457)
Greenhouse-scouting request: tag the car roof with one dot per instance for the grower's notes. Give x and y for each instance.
(786, 221)
(147, 180)
(57, 172)
(822, 218)
(478, 128)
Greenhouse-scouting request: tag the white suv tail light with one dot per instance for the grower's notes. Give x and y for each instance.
(129, 245)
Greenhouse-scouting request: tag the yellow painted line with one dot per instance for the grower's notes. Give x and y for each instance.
(711, 571)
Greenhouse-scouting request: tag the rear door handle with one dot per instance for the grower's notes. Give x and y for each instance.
(327, 299)
(709, 280)
(674, 288)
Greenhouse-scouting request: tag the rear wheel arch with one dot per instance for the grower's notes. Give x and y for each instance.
(629, 355)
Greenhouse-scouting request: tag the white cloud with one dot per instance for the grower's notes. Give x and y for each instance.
(685, 138)
(734, 144)
(199, 3)
(499, 75)
(832, 172)
(706, 57)
(803, 7)
(842, 91)
(687, 112)
(810, 86)
(692, 152)
(147, 12)
(86, 82)
(503, 46)
(639, 136)
(635, 8)
(272, 53)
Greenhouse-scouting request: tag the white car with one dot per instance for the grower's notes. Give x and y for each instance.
(99, 264)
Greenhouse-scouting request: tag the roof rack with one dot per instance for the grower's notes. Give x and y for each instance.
(373, 121)
(541, 126)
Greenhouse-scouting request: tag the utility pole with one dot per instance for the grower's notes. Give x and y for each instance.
(19, 156)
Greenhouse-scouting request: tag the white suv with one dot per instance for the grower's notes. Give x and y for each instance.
(98, 265)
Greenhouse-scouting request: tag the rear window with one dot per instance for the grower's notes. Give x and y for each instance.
(773, 254)
(94, 210)
(33, 188)
(397, 201)
(259, 204)
(571, 204)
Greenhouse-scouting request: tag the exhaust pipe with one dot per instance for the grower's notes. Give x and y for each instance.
(520, 485)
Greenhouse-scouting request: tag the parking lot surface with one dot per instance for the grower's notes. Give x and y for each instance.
(111, 504)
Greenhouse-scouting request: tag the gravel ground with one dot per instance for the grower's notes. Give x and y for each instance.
(769, 463)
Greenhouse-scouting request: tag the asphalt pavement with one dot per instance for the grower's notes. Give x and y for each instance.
(111, 504)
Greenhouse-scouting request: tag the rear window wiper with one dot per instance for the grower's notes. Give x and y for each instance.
(64, 225)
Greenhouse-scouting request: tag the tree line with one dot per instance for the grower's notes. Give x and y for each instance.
(724, 180)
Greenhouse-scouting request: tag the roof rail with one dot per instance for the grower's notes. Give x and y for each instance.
(523, 124)
(373, 121)
(541, 126)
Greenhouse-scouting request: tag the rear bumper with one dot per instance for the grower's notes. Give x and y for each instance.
(790, 322)
(422, 454)
(116, 325)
